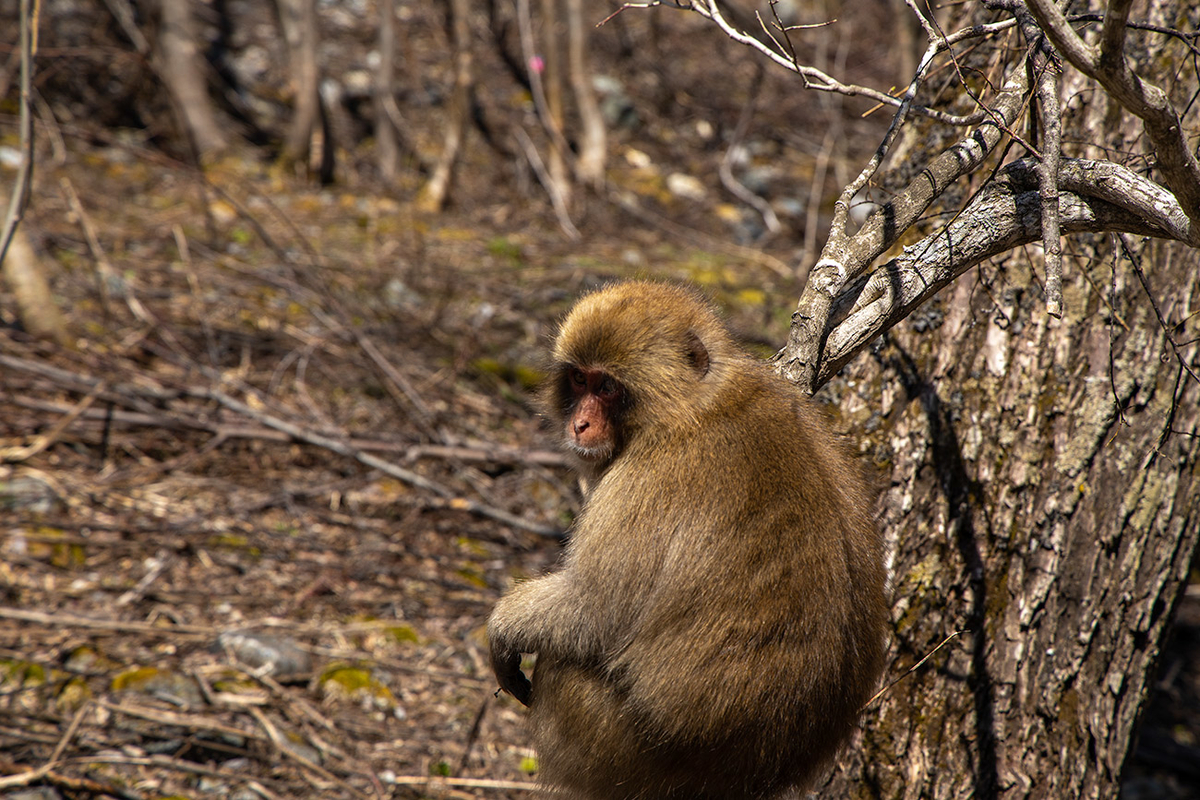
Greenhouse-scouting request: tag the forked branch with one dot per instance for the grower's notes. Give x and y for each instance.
(1093, 196)
(1108, 66)
(843, 307)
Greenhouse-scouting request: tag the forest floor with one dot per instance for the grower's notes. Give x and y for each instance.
(185, 496)
(254, 515)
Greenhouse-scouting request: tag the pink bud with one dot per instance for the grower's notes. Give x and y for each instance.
(537, 64)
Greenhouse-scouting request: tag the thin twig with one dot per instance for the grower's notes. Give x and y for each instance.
(478, 453)
(160, 761)
(823, 82)
(285, 748)
(736, 187)
(912, 669)
(626, 6)
(1136, 263)
(626, 202)
(24, 778)
(162, 564)
(61, 747)
(465, 783)
(60, 620)
(334, 442)
(21, 185)
(194, 722)
(106, 274)
(421, 415)
(473, 733)
(343, 448)
(44, 440)
(539, 169)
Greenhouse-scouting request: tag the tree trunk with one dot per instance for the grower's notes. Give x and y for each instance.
(552, 81)
(386, 142)
(1042, 517)
(436, 192)
(182, 70)
(592, 134)
(298, 18)
(1043, 499)
(25, 275)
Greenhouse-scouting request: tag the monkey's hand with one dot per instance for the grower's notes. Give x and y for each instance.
(527, 620)
(507, 666)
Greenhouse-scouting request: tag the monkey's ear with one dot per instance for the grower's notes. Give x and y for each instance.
(697, 354)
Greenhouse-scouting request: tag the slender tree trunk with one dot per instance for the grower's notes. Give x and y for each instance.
(386, 142)
(25, 275)
(298, 18)
(552, 81)
(436, 192)
(592, 141)
(183, 71)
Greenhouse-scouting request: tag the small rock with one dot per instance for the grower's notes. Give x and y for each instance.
(281, 657)
(685, 186)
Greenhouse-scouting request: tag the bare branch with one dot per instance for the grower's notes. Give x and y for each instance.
(725, 170)
(1047, 89)
(1108, 66)
(823, 82)
(1048, 70)
(1136, 263)
(552, 188)
(626, 6)
(20, 193)
(841, 211)
(537, 90)
(1189, 39)
(845, 258)
(1112, 37)
(1094, 196)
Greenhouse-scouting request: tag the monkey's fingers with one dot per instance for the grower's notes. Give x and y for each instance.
(517, 685)
(506, 663)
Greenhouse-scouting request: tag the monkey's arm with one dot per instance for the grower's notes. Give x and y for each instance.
(538, 615)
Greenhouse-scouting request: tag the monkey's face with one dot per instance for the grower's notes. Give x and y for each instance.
(594, 401)
(630, 359)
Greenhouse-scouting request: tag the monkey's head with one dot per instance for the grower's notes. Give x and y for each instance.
(632, 357)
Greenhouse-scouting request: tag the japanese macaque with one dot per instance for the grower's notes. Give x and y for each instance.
(719, 617)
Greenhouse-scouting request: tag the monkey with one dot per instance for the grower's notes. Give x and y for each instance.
(718, 617)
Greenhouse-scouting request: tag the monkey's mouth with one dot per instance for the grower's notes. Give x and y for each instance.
(596, 453)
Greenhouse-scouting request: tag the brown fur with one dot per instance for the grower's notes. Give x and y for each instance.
(719, 617)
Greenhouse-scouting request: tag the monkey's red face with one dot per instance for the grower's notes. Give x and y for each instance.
(596, 399)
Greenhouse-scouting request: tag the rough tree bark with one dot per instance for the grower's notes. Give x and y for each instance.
(1041, 474)
(1043, 499)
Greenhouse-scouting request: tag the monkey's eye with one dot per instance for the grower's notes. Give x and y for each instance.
(578, 378)
(609, 389)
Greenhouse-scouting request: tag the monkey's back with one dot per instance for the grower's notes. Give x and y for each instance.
(747, 620)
